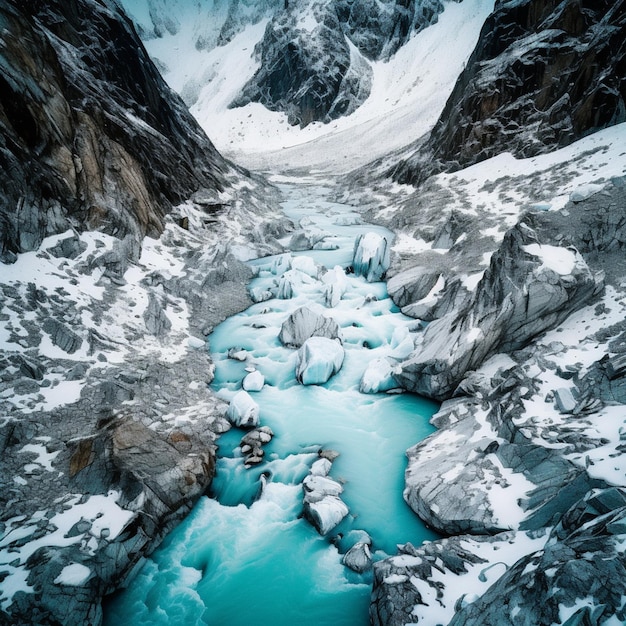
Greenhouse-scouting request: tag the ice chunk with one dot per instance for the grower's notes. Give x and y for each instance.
(336, 285)
(318, 359)
(378, 377)
(371, 256)
(306, 265)
(326, 513)
(243, 410)
(254, 381)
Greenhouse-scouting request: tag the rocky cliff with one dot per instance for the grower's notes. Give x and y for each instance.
(117, 221)
(543, 74)
(314, 56)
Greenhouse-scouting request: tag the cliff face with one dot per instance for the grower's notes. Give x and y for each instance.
(543, 74)
(91, 137)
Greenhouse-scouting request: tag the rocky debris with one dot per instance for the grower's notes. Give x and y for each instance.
(62, 336)
(252, 445)
(305, 323)
(371, 256)
(528, 288)
(155, 318)
(542, 75)
(323, 507)
(582, 558)
(254, 381)
(243, 411)
(319, 359)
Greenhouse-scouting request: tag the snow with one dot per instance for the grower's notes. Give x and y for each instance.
(73, 575)
(106, 519)
(560, 260)
(408, 91)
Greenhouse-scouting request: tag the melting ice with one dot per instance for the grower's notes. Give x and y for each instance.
(246, 555)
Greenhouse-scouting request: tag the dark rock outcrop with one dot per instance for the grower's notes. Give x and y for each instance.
(91, 137)
(314, 54)
(543, 74)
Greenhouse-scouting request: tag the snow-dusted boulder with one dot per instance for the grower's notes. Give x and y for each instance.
(319, 359)
(322, 505)
(378, 377)
(371, 257)
(254, 381)
(292, 280)
(305, 323)
(243, 410)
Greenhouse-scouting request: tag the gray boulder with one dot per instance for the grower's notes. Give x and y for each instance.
(305, 323)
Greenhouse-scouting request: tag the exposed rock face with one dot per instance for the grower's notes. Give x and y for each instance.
(92, 138)
(527, 289)
(543, 74)
(314, 54)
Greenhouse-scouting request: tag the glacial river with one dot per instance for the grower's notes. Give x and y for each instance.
(245, 556)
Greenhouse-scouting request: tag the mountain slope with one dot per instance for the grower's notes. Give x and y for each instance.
(91, 135)
(544, 74)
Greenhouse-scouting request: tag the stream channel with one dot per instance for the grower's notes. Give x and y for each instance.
(245, 556)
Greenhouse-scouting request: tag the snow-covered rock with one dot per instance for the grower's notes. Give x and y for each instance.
(371, 256)
(243, 410)
(378, 377)
(319, 359)
(253, 381)
(304, 323)
(323, 506)
(527, 289)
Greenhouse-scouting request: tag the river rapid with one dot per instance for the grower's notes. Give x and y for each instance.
(245, 555)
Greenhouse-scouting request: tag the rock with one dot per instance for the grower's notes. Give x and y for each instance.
(371, 256)
(195, 343)
(243, 410)
(62, 336)
(305, 323)
(254, 381)
(565, 400)
(411, 285)
(500, 102)
(155, 318)
(326, 513)
(318, 360)
(358, 558)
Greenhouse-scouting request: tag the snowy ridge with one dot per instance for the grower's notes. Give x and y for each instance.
(408, 94)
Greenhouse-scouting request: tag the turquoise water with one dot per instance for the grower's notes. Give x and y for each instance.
(245, 556)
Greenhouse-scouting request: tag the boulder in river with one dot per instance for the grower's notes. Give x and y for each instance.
(371, 256)
(319, 359)
(243, 410)
(305, 323)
